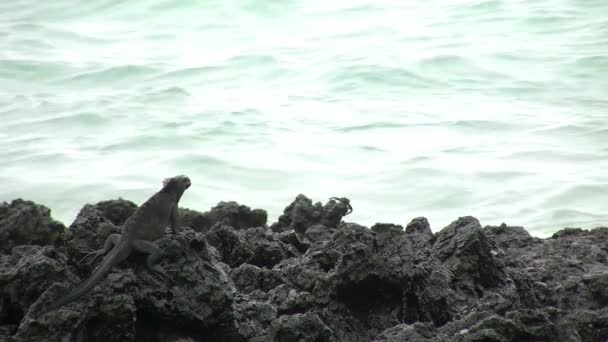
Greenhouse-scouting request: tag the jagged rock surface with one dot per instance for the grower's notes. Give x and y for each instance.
(312, 277)
(231, 213)
(302, 214)
(116, 211)
(26, 223)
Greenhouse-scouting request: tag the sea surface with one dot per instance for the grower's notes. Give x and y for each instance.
(441, 108)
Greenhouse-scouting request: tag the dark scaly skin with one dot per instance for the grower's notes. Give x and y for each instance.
(144, 226)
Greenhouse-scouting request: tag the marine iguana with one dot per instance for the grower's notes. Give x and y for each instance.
(144, 226)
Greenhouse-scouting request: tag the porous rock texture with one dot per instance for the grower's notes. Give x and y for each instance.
(309, 277)
(26, 223)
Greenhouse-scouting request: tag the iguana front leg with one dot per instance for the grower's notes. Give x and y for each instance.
(154, 256)
(110, 242)
(183, 241)
(173, 220)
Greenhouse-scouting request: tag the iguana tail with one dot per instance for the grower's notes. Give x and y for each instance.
(119, 253)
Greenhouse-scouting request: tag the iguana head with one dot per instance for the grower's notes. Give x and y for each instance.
(178, 183)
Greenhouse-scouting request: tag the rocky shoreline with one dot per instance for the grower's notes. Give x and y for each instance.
(311, 277)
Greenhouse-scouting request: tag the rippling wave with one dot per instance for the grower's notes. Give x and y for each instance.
(438, 109)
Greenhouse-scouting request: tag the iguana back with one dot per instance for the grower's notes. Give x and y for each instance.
(145, 225)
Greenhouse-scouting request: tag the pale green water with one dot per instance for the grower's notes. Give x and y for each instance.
(496, 109)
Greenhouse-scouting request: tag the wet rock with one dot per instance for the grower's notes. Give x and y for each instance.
(253, 317)
(319, 233)
(527, 290)
(296, 240)
(88, 232)
(290, 301)
(24, 275)
(300, 327)
(131, 304)
(249, 278)
(383, 228)
(117, 211)
(420, 234)
(512, 238)
(266, 249)
(559, 265)
(358, 281)
(229, 213)
(301, 214)
(200, 222)
(568, 232)
(519, 325)
(588, 325)
(596, 288)
(230, 244)
(238, 216)
(25, 222)
(255, 246)
(432, 298)
(465, 249)
(419, 225)
(417, 332)
(125, 303)
(302, 275)
(313, 278)
(334, 210)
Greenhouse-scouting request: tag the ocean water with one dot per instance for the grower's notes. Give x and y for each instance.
(497, 109)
